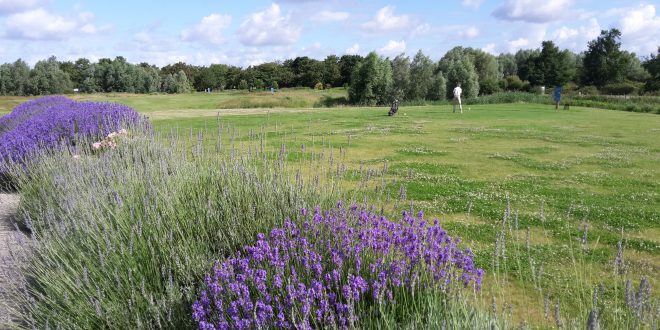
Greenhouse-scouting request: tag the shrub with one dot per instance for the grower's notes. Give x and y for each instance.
(330, 270)
(488, 86)
(55, 120)
(588, 90)
(513, 83)
(623, 88)
(318, 86)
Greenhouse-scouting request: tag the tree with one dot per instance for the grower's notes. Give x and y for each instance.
(506, 65)
(513, 83)
(243, 84)
(439, 87)
(48, 78)
(458, 68)
(400, 76)
(525, 61)
(19, 74)
(347, 65)
(192, 73)
(652, 65)
(604, 62)
(5, 79)
(421, 77)
(371, 81)
(331, 71)
(183, 85)
(552, 67)
(635, 70)
(485, 64)
(307, 71)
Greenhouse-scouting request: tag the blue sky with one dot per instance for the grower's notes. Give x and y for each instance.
(252, 32)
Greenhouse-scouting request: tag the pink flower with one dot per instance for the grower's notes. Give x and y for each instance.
(97, 145)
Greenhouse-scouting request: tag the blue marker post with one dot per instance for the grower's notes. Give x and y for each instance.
(557, 96)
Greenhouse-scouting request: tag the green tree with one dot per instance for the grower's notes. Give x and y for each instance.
(192, 73)
(458, 68)
(48, 78)
(525, 61)
(243, 84)
(513, 83)
(421, 77)
(635, 70)
(652, 65)
(604, 62)
(371, 81)
(19, 76)
(439, 87)
(506, 65)
(169, 84)
(5, 79)
(400, 76)
(552, 67)
(183, 85)
(347, 65)
(331, 71)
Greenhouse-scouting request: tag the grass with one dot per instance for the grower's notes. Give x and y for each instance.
(491, 175)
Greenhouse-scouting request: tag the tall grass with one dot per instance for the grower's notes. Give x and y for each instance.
(649, 104)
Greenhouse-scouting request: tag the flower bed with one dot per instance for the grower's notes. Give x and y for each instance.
(53, 120)
(324, 273)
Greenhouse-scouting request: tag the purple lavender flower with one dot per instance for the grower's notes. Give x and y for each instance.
(51, 121)
(317, 275)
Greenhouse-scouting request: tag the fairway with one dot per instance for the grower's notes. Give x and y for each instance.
(558, 171)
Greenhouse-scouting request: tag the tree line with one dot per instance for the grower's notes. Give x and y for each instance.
(371, 79)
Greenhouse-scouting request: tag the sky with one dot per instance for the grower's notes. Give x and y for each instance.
(251, 32)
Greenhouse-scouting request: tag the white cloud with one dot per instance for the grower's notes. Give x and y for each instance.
(640, 28)
(421, 30)
(353, 50)
(534, 11)
(15, 6)
(490, 48)
(330, 16)
(393, 47)
(145, 42)
(386, 21)
(576, 39)
(472, 3)
(470, 32)
(268, 27)
(39, 24)
(515, 45)
(209, 30)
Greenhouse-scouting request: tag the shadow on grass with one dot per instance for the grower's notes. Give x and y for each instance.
(329, 102)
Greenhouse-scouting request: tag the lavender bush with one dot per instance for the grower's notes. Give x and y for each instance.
(52, 120)
(327, 272)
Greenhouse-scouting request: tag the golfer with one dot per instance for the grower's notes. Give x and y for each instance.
(457, 97)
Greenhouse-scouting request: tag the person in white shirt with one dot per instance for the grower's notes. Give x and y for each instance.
(457, 97)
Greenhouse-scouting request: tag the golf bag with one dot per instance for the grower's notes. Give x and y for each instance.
(394, 108)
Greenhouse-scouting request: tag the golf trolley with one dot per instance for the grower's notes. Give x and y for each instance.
(394, 108)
